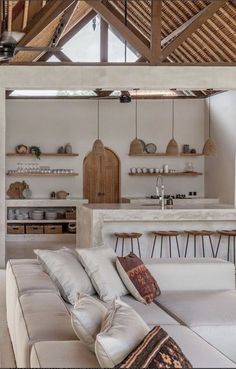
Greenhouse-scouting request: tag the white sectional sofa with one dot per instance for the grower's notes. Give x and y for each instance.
(197, 308)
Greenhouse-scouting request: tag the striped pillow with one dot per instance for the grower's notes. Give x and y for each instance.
(157, 350)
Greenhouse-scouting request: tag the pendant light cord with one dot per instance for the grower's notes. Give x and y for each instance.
(126, 26)
(209, 108)
(98, 118)
(173, 117)
(136, 114)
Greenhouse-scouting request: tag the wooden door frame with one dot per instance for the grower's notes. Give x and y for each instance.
(119, 171)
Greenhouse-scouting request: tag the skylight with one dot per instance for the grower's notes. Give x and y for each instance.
(49, 93)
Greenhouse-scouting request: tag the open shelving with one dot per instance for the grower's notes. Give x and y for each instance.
(160, 154)
(42, 174)
(176, 174)
(29, 221)
(13, 154)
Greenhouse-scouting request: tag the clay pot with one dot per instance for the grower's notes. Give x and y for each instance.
(62, 195)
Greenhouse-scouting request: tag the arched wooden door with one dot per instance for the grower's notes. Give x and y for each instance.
(101, 177)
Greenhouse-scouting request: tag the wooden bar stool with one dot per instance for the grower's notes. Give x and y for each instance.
(168, 234)
(227, 234)
(201, 234)
(131, 236)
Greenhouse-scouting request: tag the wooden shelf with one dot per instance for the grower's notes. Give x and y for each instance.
(176, 174)
(42, 174)
(43, 154)
(164, 154)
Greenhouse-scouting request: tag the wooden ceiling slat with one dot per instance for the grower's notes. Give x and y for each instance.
(9, 16)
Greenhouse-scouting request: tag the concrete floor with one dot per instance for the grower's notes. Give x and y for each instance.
(7, 359)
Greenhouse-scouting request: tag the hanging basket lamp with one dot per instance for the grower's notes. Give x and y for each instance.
(136, 146)
(209, 148)
(172, 147)
(98, 147)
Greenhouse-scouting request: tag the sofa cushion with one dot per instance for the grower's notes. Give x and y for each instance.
(122, 330)
(199, 352)
(100, 264)
(67, 273)
(86, 318)
(137, 278)
(157, 350)
(40, 317)
(62, 354)
(210, 314)
(197, 274)
(151, 313)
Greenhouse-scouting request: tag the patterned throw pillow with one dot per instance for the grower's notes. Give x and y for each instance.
(137, 278)
(157, 350)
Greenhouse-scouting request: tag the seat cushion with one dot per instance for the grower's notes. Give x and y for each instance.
(151, 313)
(62, 354)
(210, 314)
(40, 317)
(199, 352)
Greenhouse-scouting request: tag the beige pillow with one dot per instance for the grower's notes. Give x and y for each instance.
(66, 272)
(100, 265)
(122, 330)
(86, 319)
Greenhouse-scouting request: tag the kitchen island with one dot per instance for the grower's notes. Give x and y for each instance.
(98, 222)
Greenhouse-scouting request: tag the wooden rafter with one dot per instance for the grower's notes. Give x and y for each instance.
(208, 12)
(25, 14)
(156, 8)
(124, 31)
(103, 41)
(67, 16)
(9, 16)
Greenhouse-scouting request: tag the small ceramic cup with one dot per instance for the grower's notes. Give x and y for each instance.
(144, 170)
(139, 170)
(151, 170)
(133, 170)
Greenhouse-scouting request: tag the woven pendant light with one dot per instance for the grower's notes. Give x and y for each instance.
(98, 147)
(136, 146)
(209, 148)
(172, 147)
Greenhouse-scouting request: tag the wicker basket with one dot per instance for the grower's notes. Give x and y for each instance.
(53, 228)
(136, 147)
(172, 148)
(209, 148)
(15, 229)
(34, 229)
(70, 214)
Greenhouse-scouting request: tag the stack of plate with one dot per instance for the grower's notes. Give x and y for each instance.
(37, 214)
(51, 215)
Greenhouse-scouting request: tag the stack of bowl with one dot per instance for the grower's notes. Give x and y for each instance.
(37, 214)
(51, 215)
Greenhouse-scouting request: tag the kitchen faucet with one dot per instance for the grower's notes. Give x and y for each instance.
(160, 191)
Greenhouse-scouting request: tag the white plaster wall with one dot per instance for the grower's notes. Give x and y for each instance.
(51, 123)
(220, 170)
(2, 182)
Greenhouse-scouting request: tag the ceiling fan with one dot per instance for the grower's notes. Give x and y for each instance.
(8, 46)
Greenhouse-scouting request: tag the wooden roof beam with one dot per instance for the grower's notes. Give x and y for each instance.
(156, 7)
(124, 31)
(202, 17)
(52, 10)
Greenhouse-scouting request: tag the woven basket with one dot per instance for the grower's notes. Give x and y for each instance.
(136, 147)
(172, 148)
(209, 148)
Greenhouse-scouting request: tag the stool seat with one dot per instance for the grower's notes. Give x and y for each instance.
(200, 233)
(227, 233)
(128, 235)
(166, 233)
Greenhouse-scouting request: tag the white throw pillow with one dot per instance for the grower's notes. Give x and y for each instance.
(66, 272)
(86, 319)
(123, 329)
(100, 265)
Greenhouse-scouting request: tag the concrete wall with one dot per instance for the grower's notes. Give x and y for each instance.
(220, 170)
(51, 123)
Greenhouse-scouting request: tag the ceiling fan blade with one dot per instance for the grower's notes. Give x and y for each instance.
(38, 48)
(11, 37)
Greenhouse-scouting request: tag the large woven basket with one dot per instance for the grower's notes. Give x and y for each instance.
(209, 148)
(136, 147)
(172, 148)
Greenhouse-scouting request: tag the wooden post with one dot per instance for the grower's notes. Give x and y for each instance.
(156, 30)
(103, 41)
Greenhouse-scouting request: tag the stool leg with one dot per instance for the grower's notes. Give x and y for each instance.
(228, 248)
(177, 244)
(195, 246)
(139, 248)
(161, 246)
(123, 241)
(116, 243)
(217, 249)
(234, 250)
(203, 247)
(153, 246)
(186, 248)
(132, 245)
(170, 246)
(212, 249)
